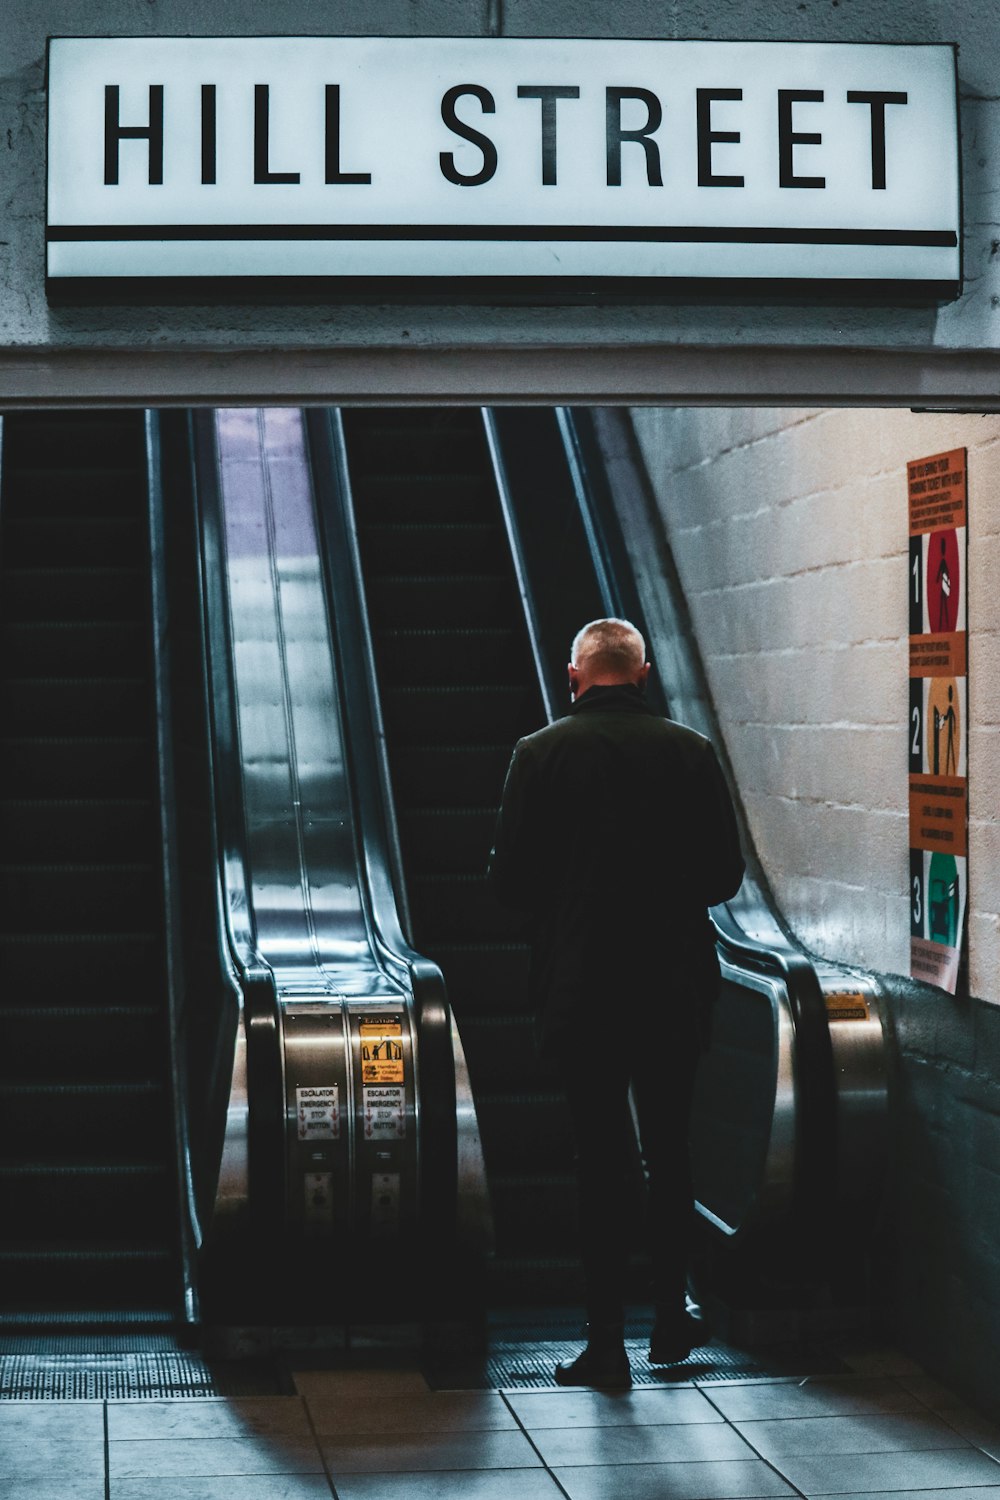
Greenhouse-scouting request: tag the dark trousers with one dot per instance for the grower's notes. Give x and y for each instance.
(599, 1061)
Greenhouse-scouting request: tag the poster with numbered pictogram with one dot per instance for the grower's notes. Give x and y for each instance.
(937, 729)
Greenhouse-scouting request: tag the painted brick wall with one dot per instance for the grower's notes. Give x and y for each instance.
(789, 529)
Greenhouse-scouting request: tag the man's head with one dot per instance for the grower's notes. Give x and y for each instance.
(607, 653)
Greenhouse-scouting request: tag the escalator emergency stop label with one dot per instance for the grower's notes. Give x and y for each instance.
(318, 1112)
(381, 1052)
(937, 729)
(384, 1112)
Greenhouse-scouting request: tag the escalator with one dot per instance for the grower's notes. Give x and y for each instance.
(458, 686)
(485, 539)
(88, 1216)
(262, 672)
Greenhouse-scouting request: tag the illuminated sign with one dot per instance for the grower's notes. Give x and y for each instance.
(453, 157)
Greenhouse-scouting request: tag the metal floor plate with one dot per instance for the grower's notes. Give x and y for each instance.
(62, 1373)
(529, 1366)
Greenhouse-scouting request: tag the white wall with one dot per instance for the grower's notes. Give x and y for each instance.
(790, 533)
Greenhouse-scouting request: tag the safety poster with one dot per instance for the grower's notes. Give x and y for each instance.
(938, 721)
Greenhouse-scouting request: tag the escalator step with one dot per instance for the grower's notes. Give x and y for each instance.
(486, 979)
(449, 775)
(446, 906)
(76, 541)
(500, 1049)
(84, 706)
(103, 493)
(116, 1121)
(56, 1255)
(70, 1204)
(74, 968)
(426, 498)
(72, 440)
(90, 766)
(525, 1133)
(74, 594)
(46, 648)
(81, 1043)
(532, 1280)
(428, 447)
(441, 840)
(472, 548)
(481, 599)
(87, 897)
(496, 715)
(534, 1213)
(58, 1282)
(451, 658)
(49, 831)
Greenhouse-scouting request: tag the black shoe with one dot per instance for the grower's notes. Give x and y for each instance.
(603, 1365)
(674, 1336)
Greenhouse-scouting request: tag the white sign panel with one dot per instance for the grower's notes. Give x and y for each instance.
(350, 156)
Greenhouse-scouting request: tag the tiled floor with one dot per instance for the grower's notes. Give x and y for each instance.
(362, 1434)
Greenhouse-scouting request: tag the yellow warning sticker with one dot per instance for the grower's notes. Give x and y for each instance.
(381, 1052)
(847, 1006)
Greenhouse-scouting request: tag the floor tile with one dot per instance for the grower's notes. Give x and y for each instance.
(541, 1409)
(909, 1432)
(878, 1473)
(638, 1445)
(169, 1458)
(728, 1380)
(822, 1397)
(392, 1453)
(931, 1392)
(336, 1383)
(60, 1420)
(62, 1489)
(44, 1457)
(682, 1481)
(245, 1416)
(427, 1411)
(489, 1484)
(880, 1362)
(220, 1487)
(976, 1429)
(964, 1492)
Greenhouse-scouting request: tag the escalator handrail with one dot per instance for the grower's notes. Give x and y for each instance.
(588, 508)
(380, 864)
(524, 589)
(816, 1090)
(191, 1234)
(265, 1083)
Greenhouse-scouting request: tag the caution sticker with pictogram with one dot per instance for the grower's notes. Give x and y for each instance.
(847, 1005)
(381, 1052)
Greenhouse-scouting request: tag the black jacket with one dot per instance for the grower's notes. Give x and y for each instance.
(615, 833)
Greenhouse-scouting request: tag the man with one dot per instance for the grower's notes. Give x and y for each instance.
(615, 833)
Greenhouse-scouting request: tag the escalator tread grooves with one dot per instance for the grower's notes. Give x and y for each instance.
(92, 802)
(46, 1252)
(536, 1179)
(75, 739)
(76, 1012)
(495, 1099)
(128, 936)
(93, 1090)
(82, 1169)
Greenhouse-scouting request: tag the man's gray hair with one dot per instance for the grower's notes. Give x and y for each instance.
(615, 645)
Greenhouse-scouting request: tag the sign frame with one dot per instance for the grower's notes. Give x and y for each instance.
(527, 289)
